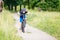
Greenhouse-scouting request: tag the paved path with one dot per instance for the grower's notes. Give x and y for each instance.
(31, 33)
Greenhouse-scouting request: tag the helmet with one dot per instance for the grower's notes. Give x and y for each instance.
(24, 9)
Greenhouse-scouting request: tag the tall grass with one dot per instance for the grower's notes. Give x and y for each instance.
(46, 21)
(7, 29)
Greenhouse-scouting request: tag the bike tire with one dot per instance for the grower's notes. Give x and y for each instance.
(23, 26)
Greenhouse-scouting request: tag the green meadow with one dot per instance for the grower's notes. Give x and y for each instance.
(7, 28)
(48, 22)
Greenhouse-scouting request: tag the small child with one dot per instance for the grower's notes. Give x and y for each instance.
(23, 17)
(22, 14)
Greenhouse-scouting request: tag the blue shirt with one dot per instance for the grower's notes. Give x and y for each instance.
(22, 16)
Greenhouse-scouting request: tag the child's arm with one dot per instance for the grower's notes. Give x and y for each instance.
(28, 12)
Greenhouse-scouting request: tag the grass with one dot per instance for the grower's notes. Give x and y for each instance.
(7, 29)
(45, 21)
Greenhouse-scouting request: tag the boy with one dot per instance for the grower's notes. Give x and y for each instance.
(23, 18)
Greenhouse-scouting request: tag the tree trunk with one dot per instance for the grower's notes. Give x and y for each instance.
(28, 4)
(15, 8)
(9, 7)
(33, 7)
(24, 6)
(20, 7)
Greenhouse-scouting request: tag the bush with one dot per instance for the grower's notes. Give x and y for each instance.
(51, 5)
(43, 6)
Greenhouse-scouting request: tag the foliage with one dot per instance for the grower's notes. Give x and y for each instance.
(49, 5)
(44, 5)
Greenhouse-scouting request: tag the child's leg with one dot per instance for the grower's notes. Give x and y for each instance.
(22, 27)
(25, 23)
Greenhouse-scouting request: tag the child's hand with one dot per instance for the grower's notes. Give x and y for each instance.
(28, 13)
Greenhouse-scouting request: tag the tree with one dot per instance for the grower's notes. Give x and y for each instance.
(11, 3)
(52, 3)
(20, 3)
(28, 4)
(43, 4)
(34, 3)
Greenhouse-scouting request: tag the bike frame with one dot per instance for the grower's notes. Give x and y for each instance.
(23, 24)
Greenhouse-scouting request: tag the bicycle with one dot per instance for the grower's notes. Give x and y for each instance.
(23, 24)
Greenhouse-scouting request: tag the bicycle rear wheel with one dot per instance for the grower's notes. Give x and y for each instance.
(23, 25)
